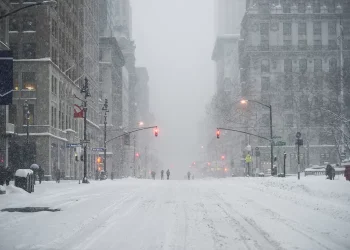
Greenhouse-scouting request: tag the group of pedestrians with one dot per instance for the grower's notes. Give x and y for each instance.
(153, 174)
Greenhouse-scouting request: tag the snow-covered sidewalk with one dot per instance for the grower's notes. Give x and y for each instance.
(232, 213)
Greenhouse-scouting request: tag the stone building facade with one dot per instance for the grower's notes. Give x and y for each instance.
(291, 58)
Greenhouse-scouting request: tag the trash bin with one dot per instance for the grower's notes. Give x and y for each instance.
(24, 178)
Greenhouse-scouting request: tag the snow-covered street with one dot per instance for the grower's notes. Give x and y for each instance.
(233, 213)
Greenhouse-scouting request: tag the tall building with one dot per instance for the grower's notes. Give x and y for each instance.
(123, 18)
(55, 48)
(292, 56)
(228, 16)
(6, 128)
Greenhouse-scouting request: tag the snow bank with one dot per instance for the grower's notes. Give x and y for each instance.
(2, 188)
(23, 172)
(15, 190)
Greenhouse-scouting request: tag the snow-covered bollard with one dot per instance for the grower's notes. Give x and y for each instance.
(24, 179)
(2, 189)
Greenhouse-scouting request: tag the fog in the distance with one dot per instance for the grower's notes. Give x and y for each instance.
(174, 40)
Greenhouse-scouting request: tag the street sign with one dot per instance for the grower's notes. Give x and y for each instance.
(248, 158)
(280, 143)
(98, 149)
(73, 145)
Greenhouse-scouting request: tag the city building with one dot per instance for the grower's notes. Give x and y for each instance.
(55, 49)
(292, 55)
(228, 16)
(6, 128)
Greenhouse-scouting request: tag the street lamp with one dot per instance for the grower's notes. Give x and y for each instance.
(85, 90)
(245, 101)
(27, 115)
(141, 124)
(48, 2)
(105, 109)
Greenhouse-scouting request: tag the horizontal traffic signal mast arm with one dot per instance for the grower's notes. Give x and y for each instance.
(126, 133)
(239, 131)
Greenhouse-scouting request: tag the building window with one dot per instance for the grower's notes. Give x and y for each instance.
(288, 82)
(319, 82)
(29, 50)
(333, 65)
(28, 79)
(287, 44)
(265, 65)
(317, 44)
(265, 83)
(31, 115)
(15, 81)
(332, 44)
(264, 45)
(317, 28)
(14, 48)
(302, 44)
(289, 120)
(29, 23)
(264, 29)
(332, 28)
(302, 65)
(302, 28)
(317, 65)
(13, 26)
(287, 29)
(304, 102)
(288, 65)
(286, 6)
(13, 113)
(316, 6)
(288, 102)
(301, 7)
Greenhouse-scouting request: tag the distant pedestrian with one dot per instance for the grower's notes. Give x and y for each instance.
(168, 174)
(189, 175)
(40, 174)
(329, 172)
(153, 173)
(58, 176)
(333, 173)
(162, 174)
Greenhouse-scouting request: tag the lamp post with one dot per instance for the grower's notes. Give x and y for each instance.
(271, 134)
(48, 2)
(105, 109)
(85, 90)
(27, 114)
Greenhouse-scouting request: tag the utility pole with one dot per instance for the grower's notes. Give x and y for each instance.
(284, 164)
(27, 115)
(134, 155)
(342, 100)
(105, 109)
(85, 89)
(271, 135)
(299, 143)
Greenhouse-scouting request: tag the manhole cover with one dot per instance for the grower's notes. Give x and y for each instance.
(30, 209)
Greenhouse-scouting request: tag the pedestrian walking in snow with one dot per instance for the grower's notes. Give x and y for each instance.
(333, 173)
(153, 173)
(162, 174)
(329, 172)
(168, 174)
(58, 176)
(40, 174)
(189, 175)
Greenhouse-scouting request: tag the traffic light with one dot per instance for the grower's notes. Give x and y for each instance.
(222, 157)
(218, 133)
(99, 159)
(137, 154)
(156, 132)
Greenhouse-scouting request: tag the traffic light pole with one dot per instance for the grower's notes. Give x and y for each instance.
(85, 90)
(271, 136)
(105, 109)
(128, 133)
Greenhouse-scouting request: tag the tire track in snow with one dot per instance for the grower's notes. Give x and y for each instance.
(295, 226)
(262, 240)
(64, 241)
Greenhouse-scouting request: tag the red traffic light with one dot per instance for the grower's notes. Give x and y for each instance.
(137, 154)
(222, 157)
(156, 132)
(99, 160)
(218, 133)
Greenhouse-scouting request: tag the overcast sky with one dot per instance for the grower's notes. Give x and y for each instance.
(174, 40)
